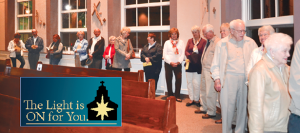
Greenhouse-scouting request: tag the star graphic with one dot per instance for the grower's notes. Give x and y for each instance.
(102, 109)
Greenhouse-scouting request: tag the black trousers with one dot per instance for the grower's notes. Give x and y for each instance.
(20, 58)
(152, 72)
(97, 63)
(169, 75)
(33, 59)
(120, 69)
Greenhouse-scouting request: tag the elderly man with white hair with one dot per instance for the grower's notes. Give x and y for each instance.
(193, 52)
(228, 69)
(208, 94)
(269, 99)
(263, 33)
(95, 49)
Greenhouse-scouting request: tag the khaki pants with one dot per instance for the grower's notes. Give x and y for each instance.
(208, 94)
(234, 95)
(193, 85)
(77, 61)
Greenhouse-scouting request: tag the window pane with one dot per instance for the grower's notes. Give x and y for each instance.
(142, 1)
(129, 2)
(142, 39)
(131, 17)
(81, 20)
(269, 8)
(65, 20)
(30, 7)
(30, 22)
(286, 7)
(255, 9)
(164, 38)
(25, 36)
(132, 38)
(154, 16)
(73, 4)
(143, 16)
(166, 15)
(21, 23)
(21, 8)
(64, 4)
(253, 33)
(165, 0)
(158, 37)
(73, 20)
(26, 23)
(81, 4)
(154, 1)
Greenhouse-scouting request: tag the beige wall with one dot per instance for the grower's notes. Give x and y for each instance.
(2, 24)
(95, 23)
(40, 6)
(191, 13)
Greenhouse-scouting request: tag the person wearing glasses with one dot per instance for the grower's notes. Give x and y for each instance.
(228, 69)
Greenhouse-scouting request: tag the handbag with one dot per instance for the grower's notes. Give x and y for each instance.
(128, 49)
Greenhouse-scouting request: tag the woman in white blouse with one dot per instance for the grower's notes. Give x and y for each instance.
(173, 54)
(16, 47)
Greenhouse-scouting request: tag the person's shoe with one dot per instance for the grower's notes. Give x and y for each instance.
(198, 104)
(218, 121)
(206, 116)
(198, 111)
(178, 100)
(189, 104)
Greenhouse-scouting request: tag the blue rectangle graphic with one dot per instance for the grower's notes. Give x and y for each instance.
(71, 101)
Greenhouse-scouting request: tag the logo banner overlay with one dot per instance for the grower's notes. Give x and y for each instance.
(70, 101)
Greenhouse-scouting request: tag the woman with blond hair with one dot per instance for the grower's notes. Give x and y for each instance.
(109, 53)
(122, 55)
(268, 98)
(80, 50)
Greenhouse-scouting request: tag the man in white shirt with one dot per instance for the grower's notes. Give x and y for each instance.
(95, 49)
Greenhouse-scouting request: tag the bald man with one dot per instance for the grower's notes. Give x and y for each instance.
(95, 49)
(35, 45)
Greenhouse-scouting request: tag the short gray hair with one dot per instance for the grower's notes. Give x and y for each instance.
(196, 28)
(233, 23)
(208, 27)
(266, 28)
(226, 25)
(111, 38)
(276, 40)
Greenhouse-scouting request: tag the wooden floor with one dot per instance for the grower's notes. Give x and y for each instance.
(189, 122)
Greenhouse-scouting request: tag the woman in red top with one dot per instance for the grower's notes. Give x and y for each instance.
(109, 53)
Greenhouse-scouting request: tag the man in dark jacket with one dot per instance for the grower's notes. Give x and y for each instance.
(95, 49)
(34, 44)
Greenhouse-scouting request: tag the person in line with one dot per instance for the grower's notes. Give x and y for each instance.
(228, 69)
(268, 98)
(80, 50)
(124, 49)
(95, 49)
(152, 54)
(35, 45)
(16, 48)
(208, 94)
(193, 52)
(55, 50)
(109, 53)
(173, 54)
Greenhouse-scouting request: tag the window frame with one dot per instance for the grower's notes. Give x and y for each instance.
(277, 20)
(60, 12)
(17, 16)
(136, 28)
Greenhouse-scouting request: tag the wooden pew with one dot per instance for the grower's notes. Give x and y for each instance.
(129, 87)
(3, 64)
(137, 76)
(144, 116)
